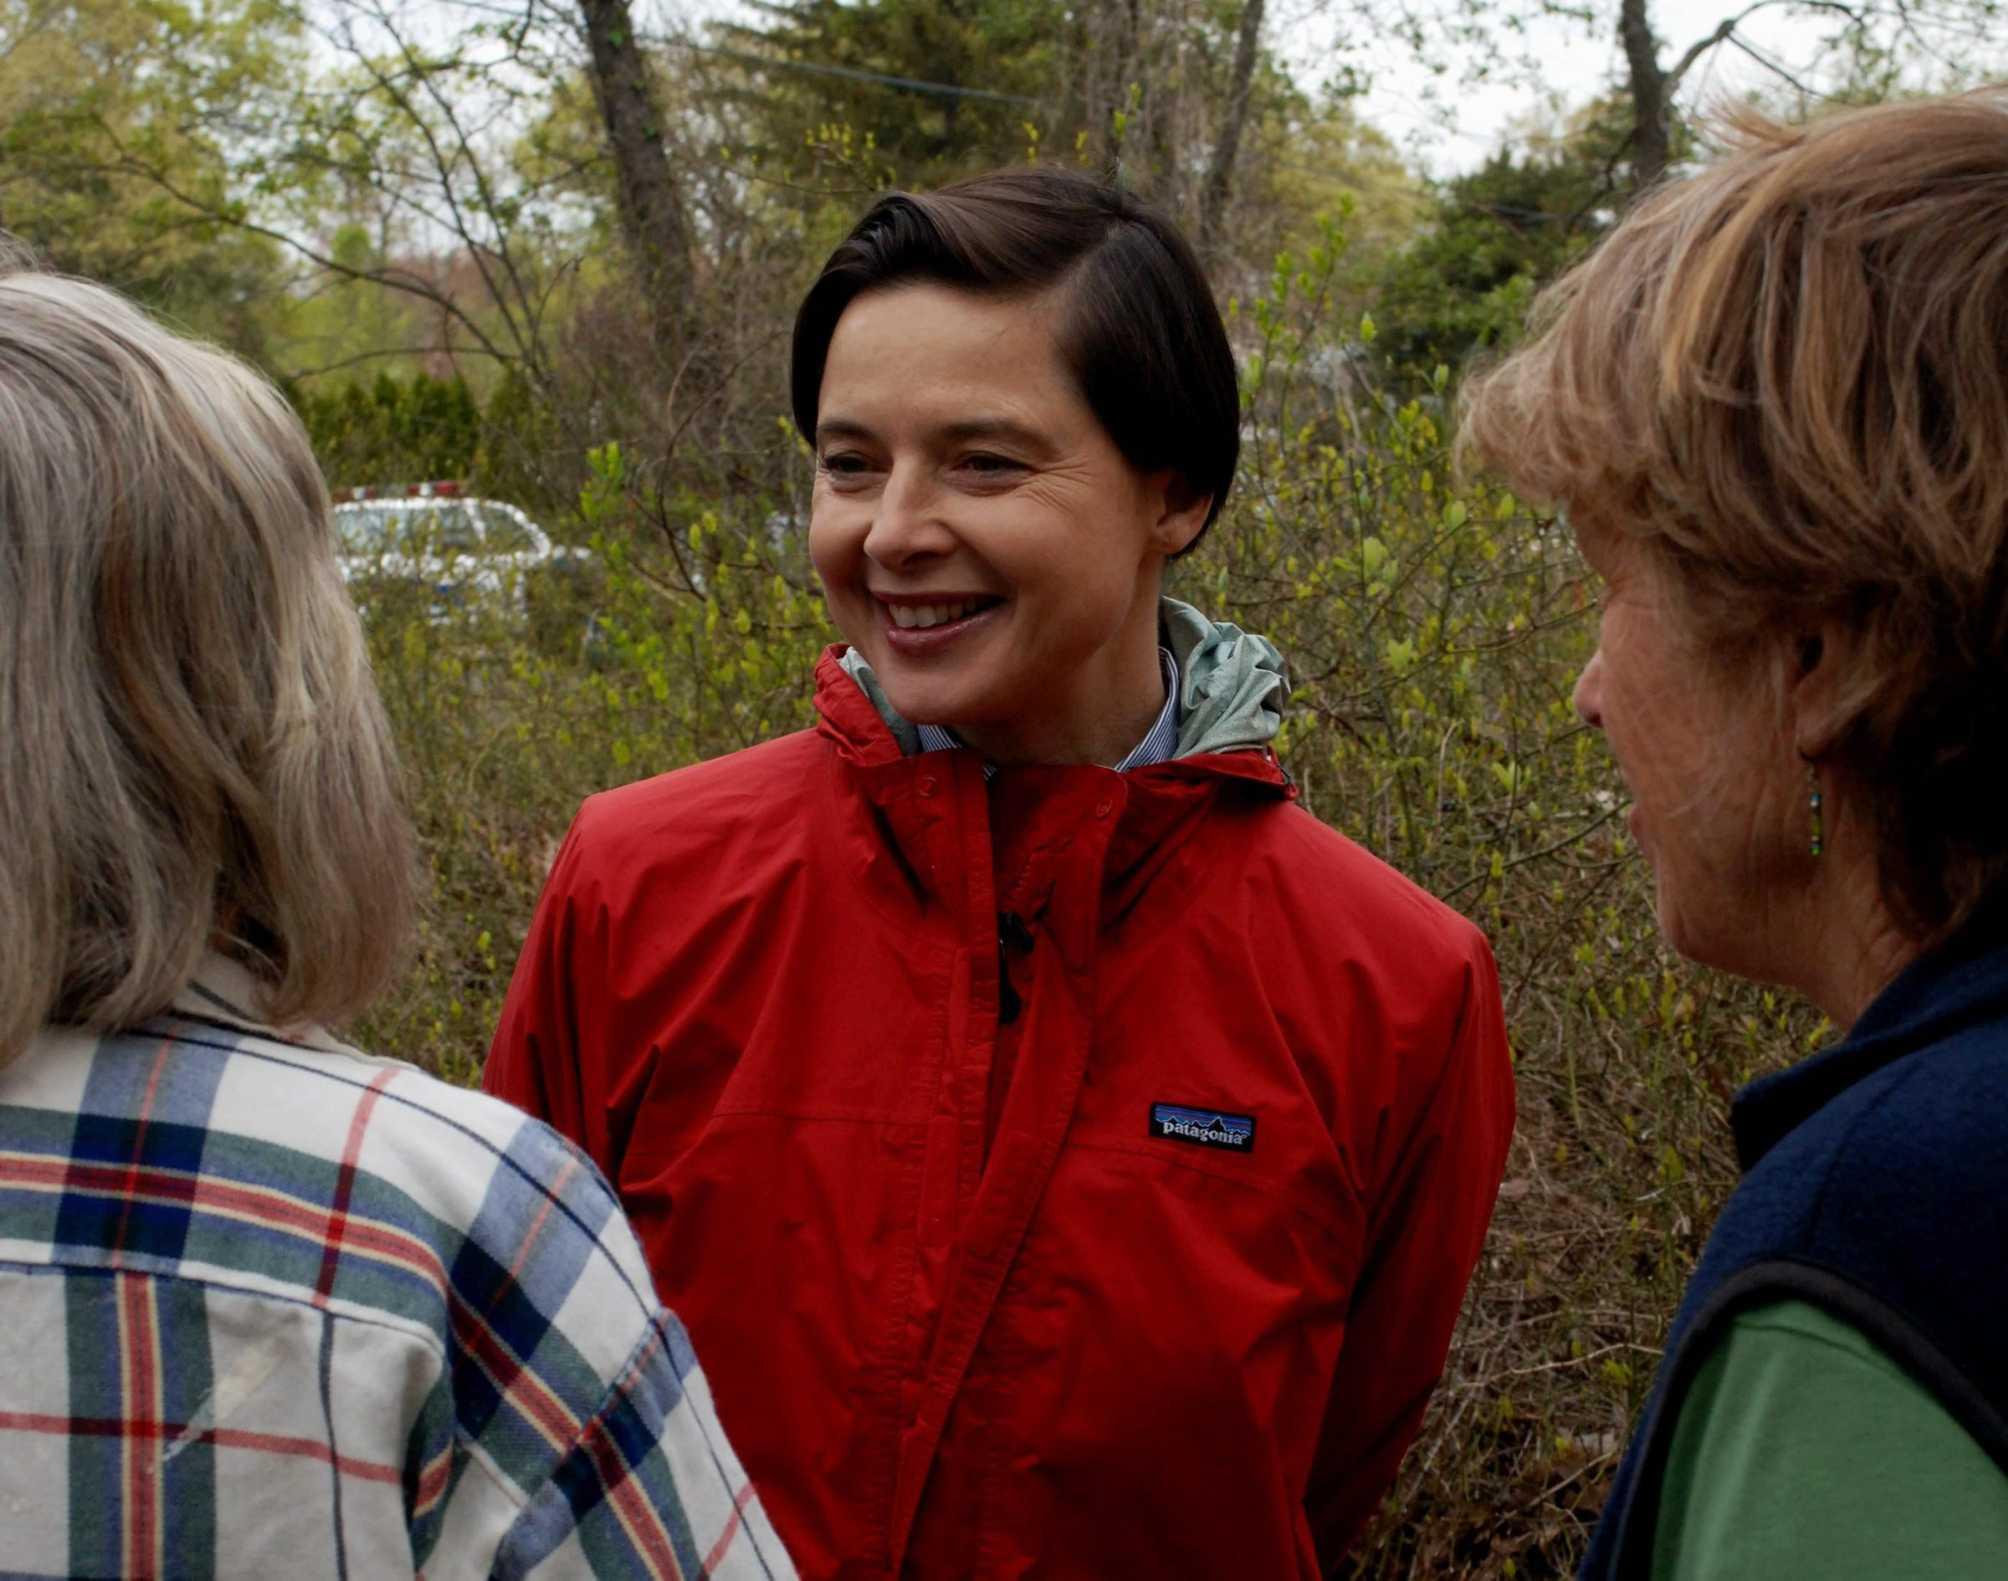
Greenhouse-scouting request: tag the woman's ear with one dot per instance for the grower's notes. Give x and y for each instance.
(1181, 513)
(1820, 692)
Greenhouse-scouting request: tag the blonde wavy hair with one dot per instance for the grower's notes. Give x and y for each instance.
(192, 753)
(1787, 379)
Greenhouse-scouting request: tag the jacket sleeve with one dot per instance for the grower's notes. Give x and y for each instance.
(535, 1059)
(1444, 1153)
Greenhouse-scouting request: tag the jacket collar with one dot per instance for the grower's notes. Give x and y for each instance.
(938, 832)
(1963, 981)
(1231, 685)
(855, 716)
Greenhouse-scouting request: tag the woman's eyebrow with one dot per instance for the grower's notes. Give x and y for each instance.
(841, 428)
(997, 428)
(1003, 430)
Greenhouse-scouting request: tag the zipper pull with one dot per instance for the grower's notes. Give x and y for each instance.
(1012, 934)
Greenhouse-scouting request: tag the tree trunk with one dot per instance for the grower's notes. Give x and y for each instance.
(1106, 57)
(1213, 194)
(647, 201)
(1650, 91)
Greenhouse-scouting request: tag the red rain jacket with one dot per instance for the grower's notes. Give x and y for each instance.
(974, 1298)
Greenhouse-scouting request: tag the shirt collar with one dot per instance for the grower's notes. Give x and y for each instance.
(225, 993)
(1159, 745)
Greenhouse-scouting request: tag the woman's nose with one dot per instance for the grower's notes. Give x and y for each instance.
(1589, 695)
(906, 521)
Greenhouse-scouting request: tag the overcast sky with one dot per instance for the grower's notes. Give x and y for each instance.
(1449, 125)
(1441, 122)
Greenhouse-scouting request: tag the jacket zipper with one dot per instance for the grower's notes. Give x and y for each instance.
(1012, 934)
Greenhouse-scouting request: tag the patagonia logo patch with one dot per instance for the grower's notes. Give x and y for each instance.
(1174, 1122)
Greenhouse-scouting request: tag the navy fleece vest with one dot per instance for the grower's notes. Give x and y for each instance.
(1876, 1187)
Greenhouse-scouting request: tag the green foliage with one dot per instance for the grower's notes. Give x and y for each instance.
(520, 457)
(1496, 235)
(391, 430)
(93, 93)
(831, 62)
(347, 324)
(701, 638)
(1313, 161)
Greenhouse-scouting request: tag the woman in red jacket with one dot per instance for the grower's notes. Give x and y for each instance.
(1067, 1155)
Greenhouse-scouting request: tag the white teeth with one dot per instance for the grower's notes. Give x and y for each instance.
(921, 616)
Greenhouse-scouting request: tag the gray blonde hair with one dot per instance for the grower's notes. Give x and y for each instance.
(192, 753)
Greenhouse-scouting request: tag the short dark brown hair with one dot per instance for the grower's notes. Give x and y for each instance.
(1785, 379)
(1140, 333)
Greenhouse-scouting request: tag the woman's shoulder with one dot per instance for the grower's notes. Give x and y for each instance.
(383, 1187)
(419, 1207)
(697, 807)
(767, 769)
(1932, 1118)
(1803, 1448)
(461, 1158)
(1340, 887)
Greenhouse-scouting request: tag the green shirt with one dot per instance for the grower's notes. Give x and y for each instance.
(1802, 1450)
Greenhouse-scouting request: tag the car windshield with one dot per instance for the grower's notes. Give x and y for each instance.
(364, 529)
(503, 532)
(442, 527)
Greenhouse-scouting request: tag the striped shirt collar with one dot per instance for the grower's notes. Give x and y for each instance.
(1159, 745)
(226, 993)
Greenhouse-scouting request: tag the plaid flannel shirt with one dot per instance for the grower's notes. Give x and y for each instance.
(271, 1307)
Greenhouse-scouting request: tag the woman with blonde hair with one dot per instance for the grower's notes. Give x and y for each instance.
(270, 1306)
(1774, 405)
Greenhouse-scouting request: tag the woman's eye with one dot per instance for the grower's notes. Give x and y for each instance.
(989, 466)
(844, 464)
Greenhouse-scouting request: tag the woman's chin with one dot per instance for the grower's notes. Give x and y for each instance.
(930, 699)
(1718, 946)
(1676, 938)
(1675, 930)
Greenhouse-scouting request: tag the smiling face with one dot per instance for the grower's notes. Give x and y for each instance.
(981, 540)
(1718, 797)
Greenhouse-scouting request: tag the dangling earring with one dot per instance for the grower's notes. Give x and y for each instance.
(1815, 802)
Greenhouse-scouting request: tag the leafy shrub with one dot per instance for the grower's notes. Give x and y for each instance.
(391, 430)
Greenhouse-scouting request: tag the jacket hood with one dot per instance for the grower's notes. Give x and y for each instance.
(1231, 685)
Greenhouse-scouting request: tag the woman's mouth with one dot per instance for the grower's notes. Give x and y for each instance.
(915, 628)
(923, 617)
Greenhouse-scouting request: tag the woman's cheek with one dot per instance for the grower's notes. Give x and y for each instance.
(829, 549)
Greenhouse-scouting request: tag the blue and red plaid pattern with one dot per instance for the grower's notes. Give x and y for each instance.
(271, 1307)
